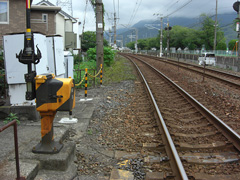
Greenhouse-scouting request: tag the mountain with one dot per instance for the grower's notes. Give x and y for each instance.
(225, 23)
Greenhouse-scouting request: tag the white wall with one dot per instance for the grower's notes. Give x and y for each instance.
(68, 25)
(76, 29)
(60, 26)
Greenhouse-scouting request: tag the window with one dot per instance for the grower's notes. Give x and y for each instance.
(45, 18)
(4, 12)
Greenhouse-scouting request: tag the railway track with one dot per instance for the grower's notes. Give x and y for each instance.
(227, 78)
(197, 143)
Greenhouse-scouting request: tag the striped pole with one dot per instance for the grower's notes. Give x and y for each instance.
(101, 75)
(28, 34)
(86, 70)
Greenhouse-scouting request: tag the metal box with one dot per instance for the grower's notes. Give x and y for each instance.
(15, 70)
(69, 62)
(70, 40)
(55, 55)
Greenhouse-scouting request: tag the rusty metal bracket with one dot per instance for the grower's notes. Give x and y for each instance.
(14, 123)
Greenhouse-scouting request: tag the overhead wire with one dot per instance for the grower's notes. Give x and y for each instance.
(114, 6)
(134, 12)
(179, 8)
(84, 20)
(172, 4)
(118, 12)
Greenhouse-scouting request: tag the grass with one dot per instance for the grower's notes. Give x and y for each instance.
(82, 66)
(120, 70)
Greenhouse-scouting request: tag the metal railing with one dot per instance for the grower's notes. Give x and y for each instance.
(14, 124)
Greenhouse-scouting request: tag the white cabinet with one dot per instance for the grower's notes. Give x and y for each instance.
(15, 70)
(69, 63)
(55, 55)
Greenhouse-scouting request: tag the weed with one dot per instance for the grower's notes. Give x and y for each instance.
(11, 117)
(90, 132)
(120, 70)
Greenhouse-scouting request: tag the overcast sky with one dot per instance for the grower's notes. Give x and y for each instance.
(130, 12)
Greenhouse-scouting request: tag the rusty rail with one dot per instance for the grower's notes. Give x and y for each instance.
(14, 123)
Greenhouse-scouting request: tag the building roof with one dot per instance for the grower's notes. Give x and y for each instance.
(47, 3)
(45, 8)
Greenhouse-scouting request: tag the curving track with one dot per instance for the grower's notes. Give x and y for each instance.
(207, 147)
(227, 78)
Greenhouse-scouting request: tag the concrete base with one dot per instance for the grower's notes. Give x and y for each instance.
(28, 169)
(57, 162)
(70, 173)
(66, 120)
(45, 166)
(86, 99)
(23, 112)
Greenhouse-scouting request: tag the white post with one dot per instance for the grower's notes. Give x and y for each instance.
(161, 36)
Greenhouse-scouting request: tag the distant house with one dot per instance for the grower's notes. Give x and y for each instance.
(63, 24)
(45, 18)
(12, 17)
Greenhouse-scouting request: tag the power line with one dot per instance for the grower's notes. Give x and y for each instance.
(137, 5)
(133, 12)
(84, 20)
(114, 6)
(118, 11)
(226, 25)
(179, 8)
(172, 5)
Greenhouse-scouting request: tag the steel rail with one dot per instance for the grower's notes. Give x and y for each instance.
(196, 66)
(228, 132)
(179, 171)
(202, 73)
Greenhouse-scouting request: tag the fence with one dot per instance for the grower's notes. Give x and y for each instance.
(193, 52)
(230, 62)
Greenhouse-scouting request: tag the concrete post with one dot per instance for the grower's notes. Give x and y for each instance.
(215, 32)
(99, 33)
(239, 33)
(161, 37)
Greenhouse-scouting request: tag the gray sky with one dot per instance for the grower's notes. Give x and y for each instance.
(132, 11)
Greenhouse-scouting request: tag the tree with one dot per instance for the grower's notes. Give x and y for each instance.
(152, 43)
(207, 28)
(232, 44)
(182, 37)
(142, 44)
(207, 35)
(89, 40)
(131, 45)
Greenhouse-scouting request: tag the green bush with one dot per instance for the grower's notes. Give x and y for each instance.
(81, 66)
(109, 55)
(77, 58)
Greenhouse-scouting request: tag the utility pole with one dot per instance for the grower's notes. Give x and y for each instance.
(215, 32)
(99, 33)
(168, 50)
(136, 45)
(115, 30)
(110, 37)
(236, 7)
(238, 31)
(161, 36)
